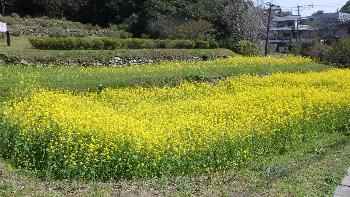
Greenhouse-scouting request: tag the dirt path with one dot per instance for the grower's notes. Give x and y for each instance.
(343, 190)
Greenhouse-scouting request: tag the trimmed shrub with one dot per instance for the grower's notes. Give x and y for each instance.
(111, 44)
(111, 57)
(185, 44)
(140, 44)
(245, 48)
(74, 43)
(202, 44)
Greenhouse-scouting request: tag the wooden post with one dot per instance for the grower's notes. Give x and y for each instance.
(8, 38)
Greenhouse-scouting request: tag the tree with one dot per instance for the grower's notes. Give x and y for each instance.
(27, 7)
(346, 8)
(317, 13)
(195, 30)
(72, 8)
(51, 8)
(242, 20)
(4, 4)
(156, 18)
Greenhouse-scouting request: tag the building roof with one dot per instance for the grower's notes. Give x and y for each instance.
(301, 28)
(288, 18)
(338, 16)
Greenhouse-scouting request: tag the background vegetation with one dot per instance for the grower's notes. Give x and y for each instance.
(181, 19)
(336, 52)
(38, 26)
(346, 8)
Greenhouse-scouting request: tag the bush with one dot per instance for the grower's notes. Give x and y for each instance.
(298, 48)
(15, 15)
(74, 43)
(114, 31)
(245, 48)
(160, 27)
(339, 53)
(317, 51)
(213, 43)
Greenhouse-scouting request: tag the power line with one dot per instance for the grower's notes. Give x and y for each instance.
(307, 8)
(329, 6)
(314, 5)
(298, 18)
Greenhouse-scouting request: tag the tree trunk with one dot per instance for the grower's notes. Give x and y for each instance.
(3, 6)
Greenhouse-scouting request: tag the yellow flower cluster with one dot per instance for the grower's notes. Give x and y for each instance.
(192, 128)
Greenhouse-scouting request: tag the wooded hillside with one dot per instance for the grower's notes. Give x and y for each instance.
(202, 19)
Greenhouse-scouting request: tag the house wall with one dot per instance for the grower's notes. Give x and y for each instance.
(330, 24)
(285, 24)
(288, 35)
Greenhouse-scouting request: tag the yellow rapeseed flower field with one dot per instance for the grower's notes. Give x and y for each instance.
(192, 128)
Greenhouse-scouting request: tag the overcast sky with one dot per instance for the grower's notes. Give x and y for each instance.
(326, 5)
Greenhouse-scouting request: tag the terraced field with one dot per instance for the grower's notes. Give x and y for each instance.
(173, 120)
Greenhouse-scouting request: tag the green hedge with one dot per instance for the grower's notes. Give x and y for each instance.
(246, 48)
(88, 43)
(110, 57)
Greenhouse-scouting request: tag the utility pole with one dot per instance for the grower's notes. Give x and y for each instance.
(298, 20)
(268, 25)
(297, 40)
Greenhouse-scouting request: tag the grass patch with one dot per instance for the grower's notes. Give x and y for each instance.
(161, 74)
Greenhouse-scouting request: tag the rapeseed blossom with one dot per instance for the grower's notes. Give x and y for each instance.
(192, 128)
